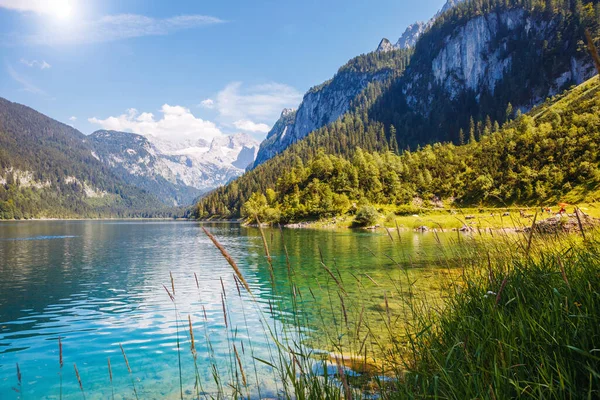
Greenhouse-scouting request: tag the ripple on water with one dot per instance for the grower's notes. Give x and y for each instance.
(105, 289)
(39, 238)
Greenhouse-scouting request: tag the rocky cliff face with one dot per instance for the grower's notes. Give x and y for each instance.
(479, 54)
(468, 61)
(273, 142)
(177, 173)
(320, 106)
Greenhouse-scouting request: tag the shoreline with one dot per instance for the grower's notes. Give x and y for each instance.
(464, 221)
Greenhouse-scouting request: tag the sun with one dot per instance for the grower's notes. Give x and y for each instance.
(62, 9)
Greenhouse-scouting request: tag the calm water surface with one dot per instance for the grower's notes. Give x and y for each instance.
(98, 284)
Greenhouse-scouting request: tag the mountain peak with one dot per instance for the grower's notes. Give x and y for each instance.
(413, 32)
(287, 111)
(385, 45)
(411, 35)
(449, 4)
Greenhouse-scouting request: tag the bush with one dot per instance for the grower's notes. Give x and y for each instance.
(408, 209)
(365, 216)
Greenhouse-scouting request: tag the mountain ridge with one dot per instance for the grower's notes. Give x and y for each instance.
(175, 172)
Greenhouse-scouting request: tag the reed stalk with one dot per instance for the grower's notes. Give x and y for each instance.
(129, 371)
(79, 380)
(110, 376)
(60, 363)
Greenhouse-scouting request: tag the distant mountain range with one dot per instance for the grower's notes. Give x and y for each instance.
(176, 172)
(49, 169)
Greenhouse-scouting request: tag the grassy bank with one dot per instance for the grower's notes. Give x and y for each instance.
(528, 327)
(444, 219)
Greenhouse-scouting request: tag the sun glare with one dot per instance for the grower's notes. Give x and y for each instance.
(62, 9)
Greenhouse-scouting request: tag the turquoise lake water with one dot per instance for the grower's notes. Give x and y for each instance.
(98, 284)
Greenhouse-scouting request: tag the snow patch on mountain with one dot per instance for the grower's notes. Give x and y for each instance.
(175, 171)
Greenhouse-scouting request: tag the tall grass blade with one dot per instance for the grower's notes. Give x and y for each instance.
(229, 259)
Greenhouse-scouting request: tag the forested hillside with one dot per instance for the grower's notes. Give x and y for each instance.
(47, 170)
(544, 45)
(551, 154)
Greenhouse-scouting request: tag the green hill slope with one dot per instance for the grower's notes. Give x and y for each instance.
(48, 170)
(550, 154)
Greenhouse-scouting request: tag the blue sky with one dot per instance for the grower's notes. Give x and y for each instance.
(184, 68)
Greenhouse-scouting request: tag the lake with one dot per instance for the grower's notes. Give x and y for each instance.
(101, 284)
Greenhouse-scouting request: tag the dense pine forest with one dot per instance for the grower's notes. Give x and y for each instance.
(475, 149)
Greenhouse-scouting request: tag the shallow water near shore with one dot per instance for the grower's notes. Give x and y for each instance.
(98, 284)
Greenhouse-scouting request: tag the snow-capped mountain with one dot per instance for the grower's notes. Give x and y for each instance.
(176, 172)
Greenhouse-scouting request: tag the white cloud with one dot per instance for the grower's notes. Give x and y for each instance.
(35, 63)
(73, 118)
(207, 103)
(261, 103)
(177, 124)
(115, 27)
(249, 126)
(26, 85)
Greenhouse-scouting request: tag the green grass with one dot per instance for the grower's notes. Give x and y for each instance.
(529, 328)
(453, 218)
(523, 322)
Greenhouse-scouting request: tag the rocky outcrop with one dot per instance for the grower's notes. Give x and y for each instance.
(410, 36)
(272, 144)
(385, 45)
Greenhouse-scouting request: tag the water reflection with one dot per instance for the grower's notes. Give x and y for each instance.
(100, 283)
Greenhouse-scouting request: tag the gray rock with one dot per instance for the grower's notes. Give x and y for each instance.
(385, 45)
